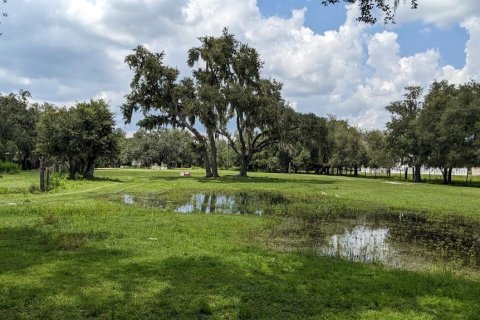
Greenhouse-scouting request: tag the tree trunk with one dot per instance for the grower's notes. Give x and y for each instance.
(25, 161)
(206, 162)
(213, 153)
(244, 166)
(355, 171)
(445, 175)
(213, 203)
(418, 177)
(203, 148)
(450, 175)
(72, 168)
(42, 176)
(205, 204)
(406, 173)
(89, 169)
(47, 180)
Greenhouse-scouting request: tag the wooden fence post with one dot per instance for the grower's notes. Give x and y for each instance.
(42, 175)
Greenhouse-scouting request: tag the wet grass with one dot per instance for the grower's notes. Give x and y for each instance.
(75, 254)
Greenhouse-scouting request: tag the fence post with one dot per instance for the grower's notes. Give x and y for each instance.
(42, 175)
(47, 184)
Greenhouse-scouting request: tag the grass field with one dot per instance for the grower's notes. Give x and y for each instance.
(78, 252)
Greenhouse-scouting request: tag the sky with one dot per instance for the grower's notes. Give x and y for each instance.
(67, 51)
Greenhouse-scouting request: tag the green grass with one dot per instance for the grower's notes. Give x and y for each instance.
(74, 254)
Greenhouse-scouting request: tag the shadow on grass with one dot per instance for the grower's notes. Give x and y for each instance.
(243, 180)
(104, 179)
(93, 283)
(26, 247)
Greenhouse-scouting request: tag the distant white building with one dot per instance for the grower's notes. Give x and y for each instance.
(425, 170)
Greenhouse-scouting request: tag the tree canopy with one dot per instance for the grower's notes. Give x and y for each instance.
(18, 119)
(368, 8)
(79, 135)
(227, 88)
(174, 147)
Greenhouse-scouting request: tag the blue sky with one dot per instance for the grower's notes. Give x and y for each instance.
(64, 51)
(413, 37)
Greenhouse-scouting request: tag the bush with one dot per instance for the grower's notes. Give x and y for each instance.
(57, 180)
(9, 167)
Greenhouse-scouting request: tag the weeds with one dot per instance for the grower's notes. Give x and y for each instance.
(9, 167)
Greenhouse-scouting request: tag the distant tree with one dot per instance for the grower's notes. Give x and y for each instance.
(227, 92)
(227, 158)
(368, 7)
(268, 160)
(404, 137)
(172, 147)
(18, 120)
(232, 94)
(213, 60)
(462, 120)
(378, 153)
(113, 159)
(79, 135)
(349, 150)
(260, 114)
(155, 91)
(449, 126)
(441, 137)
(313, 132)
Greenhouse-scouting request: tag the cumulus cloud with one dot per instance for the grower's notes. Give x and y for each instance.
(70, 50)
(439, 13)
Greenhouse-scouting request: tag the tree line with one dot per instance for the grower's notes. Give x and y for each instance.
(230, 99)
(79, 136)
(228, 114)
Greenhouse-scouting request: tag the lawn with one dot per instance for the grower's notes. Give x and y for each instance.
(76, 252)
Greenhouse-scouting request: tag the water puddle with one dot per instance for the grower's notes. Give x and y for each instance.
(211, 202)
(241, 203)
(361, 243)
(402, 241)
(144, 201)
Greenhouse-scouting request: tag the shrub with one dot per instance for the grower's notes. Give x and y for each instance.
(57, 180)
(9, 167)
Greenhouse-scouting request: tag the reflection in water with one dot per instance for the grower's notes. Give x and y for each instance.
(238, 203)
(128, 199)
(402, 241)
(398, 241)
(222, 203)
(362, 243)
(151, 202)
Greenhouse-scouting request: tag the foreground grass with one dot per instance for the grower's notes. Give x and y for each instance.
(72, 254)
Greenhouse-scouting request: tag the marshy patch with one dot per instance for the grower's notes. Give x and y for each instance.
(403, 241)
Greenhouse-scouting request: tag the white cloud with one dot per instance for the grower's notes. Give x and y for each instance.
(440, 13)
(74, 49)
